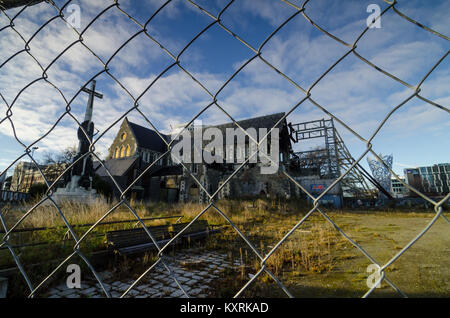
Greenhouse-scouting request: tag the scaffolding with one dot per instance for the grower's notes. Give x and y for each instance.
(332, 160)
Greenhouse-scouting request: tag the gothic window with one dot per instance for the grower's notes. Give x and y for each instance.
(128, 150)
(116, 154)
(123, 136)
(122, 152)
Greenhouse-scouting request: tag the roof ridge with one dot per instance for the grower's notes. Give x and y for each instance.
(147, 137)
(251, 118)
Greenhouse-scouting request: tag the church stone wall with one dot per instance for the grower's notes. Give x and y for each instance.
(118, 142)
(248, 182)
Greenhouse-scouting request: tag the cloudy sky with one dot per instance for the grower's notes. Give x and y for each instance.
(416, 134)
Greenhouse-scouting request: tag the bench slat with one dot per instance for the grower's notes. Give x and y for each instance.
(124, 238)
(197, 226)
(137, 240)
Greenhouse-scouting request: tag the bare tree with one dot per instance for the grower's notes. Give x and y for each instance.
(54, 163)
(65, 156)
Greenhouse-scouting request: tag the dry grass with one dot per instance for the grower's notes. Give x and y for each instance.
(75, 213)
(316, 261)
(239, 211)
(55, 232)
(309, 251)
(314, 256)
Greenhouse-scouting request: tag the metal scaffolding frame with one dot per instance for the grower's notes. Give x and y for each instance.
(331, 161)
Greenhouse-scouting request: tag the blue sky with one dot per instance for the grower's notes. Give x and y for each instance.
(417, 134)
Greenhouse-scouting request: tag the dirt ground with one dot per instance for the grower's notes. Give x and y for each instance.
(317, 261)
(422, 271)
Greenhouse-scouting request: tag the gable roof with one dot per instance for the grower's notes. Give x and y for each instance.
(117, 167)
(148, 138)
(267, 121)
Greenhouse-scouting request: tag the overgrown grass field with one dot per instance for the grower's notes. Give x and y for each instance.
(315, 261)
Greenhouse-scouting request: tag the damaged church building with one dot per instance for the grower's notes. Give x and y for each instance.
(258, 176)
(132, 153)
(210, 155)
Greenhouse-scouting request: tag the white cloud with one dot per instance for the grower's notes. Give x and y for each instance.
(353, 91)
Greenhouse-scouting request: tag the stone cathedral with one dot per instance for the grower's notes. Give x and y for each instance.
(136, 147)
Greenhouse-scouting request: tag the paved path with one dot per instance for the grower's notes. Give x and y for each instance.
(195, 271)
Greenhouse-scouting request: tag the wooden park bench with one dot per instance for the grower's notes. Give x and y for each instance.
(137, 240)
(197, 230)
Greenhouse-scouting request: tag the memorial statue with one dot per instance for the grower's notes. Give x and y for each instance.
(79, 179)
(82, 172)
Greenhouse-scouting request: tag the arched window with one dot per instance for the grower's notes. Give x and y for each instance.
(122, 152)
(128, 150)
(116, 154)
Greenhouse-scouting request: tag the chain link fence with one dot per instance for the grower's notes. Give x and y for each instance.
(301, 12)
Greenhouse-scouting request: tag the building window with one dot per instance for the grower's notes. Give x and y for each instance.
(122, 152)
(123, 136)
(116, 154)
(128, 150)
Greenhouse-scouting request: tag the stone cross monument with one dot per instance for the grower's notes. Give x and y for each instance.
(79, 181)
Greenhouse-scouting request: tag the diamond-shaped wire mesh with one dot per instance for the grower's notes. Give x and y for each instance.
(301, 12)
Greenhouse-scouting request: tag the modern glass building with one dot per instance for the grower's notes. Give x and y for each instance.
(431, 179)
(398, 190)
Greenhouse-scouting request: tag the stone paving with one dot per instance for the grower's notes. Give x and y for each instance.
(194, 271)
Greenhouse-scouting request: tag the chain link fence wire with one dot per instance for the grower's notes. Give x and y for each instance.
(301, 12)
